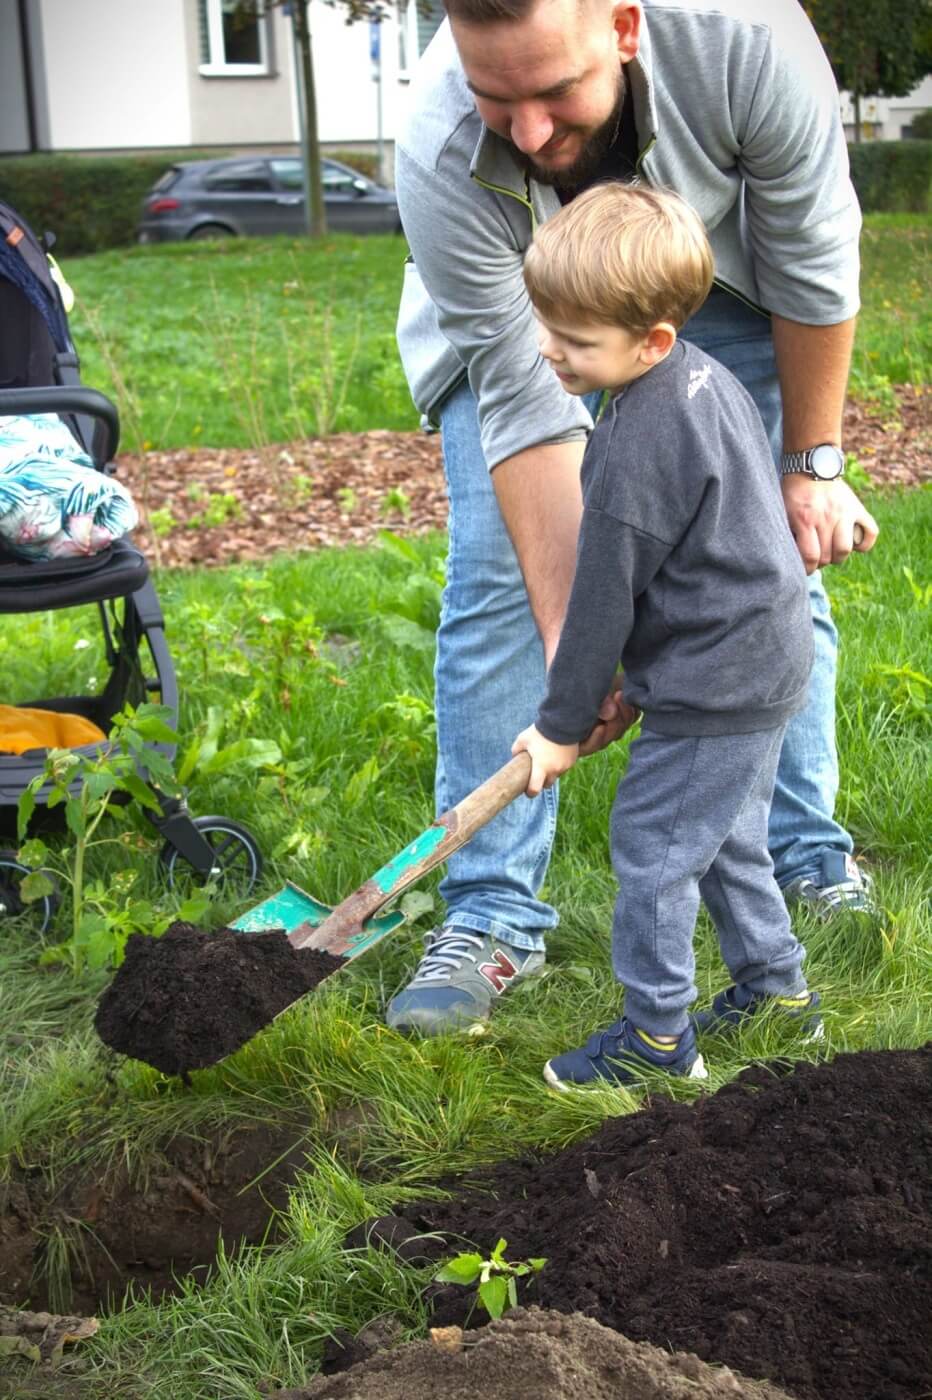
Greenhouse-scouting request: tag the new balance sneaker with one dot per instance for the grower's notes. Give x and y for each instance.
(735, 1006)
(841, 886)
(457, 981)
(621, 1055)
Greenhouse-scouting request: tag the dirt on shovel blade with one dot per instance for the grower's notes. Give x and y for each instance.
(192, 997)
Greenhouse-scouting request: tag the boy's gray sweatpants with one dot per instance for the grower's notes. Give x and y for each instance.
(689, 822)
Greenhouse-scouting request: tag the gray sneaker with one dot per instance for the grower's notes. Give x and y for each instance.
(843, 886)
(459, 977)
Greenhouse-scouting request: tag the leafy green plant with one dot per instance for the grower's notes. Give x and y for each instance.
(162, 522)
(922, 592)
(394, 502)
(221, 507)
(855, 475)
(407, 725)
(90, 788)
(411, 613)
(909, 690)
(348, 499)
(497, 1276)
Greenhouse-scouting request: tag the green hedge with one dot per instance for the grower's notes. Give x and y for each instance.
(93, 202)
(363, 161)
(88, 202)
(892, 176)
(921, 125)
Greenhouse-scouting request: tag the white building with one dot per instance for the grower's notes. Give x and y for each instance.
(109, 75)
(886, 118)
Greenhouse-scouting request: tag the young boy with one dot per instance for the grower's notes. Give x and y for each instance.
(687, 573)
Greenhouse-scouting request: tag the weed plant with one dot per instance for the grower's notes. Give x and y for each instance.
(326, 659)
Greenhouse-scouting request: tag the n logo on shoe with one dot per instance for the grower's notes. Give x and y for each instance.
(499, 972)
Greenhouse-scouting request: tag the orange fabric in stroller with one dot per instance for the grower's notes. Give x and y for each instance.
(22, 729)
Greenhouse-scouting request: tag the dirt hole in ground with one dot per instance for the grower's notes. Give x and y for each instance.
(81, 1246)
(780, 1226)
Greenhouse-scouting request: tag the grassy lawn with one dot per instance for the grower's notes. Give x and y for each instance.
(351, 717)
(329, 657)
(241, 343)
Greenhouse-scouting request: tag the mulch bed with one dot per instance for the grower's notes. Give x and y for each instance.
(190, 998)
(781, 1226)
(293, 496)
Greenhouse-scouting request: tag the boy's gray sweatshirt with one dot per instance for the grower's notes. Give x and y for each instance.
(686, 569)
(736, 109)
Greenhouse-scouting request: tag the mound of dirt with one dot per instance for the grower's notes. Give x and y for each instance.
(780, 1226)
(189, 998)
(531, 1352)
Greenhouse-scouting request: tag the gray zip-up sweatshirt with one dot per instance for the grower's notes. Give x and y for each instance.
(736, 109)
(713, 640)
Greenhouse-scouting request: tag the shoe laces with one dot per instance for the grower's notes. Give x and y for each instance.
(445, 951)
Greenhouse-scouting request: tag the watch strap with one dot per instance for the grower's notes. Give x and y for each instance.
(795, 462)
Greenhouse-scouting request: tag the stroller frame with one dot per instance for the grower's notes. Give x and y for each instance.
(40, 373)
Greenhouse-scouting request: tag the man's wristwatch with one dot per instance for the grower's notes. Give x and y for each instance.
(822, 463)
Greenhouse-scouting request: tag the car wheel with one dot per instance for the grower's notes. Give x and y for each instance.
(205, 231)
(238, 859)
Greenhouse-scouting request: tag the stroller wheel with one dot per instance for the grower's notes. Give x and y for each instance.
(12, 904)
(237, 858)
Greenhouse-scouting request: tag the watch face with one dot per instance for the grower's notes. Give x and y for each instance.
(826, 461)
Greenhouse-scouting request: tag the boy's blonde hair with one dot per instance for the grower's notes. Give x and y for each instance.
(621, 255)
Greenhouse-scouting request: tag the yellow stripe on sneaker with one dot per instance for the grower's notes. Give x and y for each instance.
(664, 1046)
(795, 1002)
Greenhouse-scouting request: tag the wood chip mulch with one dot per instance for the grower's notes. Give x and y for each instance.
(224, 506)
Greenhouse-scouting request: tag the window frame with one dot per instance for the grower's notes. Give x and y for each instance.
(213, 14)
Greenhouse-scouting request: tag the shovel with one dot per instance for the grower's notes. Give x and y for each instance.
(355, 924)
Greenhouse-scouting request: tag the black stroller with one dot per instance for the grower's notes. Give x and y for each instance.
(39, 373)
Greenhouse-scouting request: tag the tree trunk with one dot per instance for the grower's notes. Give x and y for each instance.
(856, 99)
(302, 35)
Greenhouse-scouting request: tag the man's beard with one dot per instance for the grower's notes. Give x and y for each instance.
(590, 158)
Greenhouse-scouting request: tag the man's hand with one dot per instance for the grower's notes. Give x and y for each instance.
(616, 717)
(827, 520)
(548, 761)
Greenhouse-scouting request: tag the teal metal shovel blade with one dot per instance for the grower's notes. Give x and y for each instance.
(357, 923)
(291, 908)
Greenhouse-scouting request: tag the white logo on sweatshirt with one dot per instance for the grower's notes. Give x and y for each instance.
(698, 378)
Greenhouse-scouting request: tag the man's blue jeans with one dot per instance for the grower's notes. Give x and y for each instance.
(490, 674)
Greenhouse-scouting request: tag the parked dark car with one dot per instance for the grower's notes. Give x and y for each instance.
(259, 195)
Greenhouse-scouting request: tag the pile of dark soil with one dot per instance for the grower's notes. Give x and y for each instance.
(189, 998)
(535, 1353)
(781, 1226)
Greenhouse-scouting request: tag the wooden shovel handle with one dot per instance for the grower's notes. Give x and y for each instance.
(447, 834)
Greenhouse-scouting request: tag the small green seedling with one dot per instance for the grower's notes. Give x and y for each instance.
(497, 1276)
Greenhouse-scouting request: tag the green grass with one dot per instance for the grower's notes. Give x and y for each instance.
(894, 340)
(238, 344)
(244, 342)
(353, 786)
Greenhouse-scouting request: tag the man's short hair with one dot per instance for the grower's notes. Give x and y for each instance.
(621, 255)
(488, 11)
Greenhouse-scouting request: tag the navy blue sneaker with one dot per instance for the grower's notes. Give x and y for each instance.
(621, 1054)
(735, 1006)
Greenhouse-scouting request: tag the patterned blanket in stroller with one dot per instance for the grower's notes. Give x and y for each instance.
(54, 503)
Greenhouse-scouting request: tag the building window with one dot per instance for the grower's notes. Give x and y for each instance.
(233, 37)
(417, 25)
